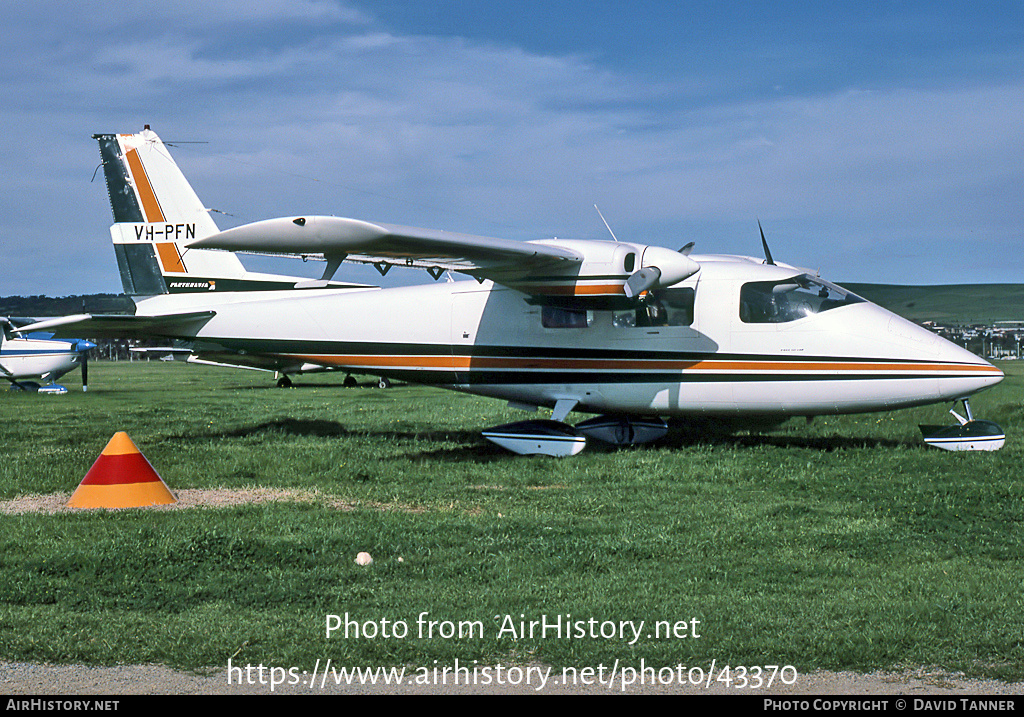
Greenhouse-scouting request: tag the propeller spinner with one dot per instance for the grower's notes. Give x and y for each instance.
(660, 269)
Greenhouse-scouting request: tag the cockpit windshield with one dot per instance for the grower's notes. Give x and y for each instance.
(776, 302)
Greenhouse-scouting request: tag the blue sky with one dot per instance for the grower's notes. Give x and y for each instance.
(875, 141)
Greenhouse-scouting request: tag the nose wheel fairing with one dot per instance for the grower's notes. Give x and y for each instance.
(970, 435)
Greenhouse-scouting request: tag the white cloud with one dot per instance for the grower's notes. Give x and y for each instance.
(341, 115)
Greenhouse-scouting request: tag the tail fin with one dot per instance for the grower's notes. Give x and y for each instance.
(156, 216)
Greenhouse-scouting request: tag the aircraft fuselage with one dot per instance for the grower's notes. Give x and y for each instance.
(29, 359)
(739, 337)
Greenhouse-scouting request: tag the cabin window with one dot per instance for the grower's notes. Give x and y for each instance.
(777, 302)
(667, 307)
(554, 317)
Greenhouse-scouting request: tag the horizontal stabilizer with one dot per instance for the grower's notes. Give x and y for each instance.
(120, 326)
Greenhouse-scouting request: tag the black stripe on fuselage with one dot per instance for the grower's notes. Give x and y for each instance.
(369, 348)
(495, 378)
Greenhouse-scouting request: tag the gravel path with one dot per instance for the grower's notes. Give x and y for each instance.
(188, 498)
(29, 679)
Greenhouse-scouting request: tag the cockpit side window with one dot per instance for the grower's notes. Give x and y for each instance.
(777, 302)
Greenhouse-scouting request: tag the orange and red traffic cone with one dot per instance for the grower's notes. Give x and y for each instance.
(121, 478)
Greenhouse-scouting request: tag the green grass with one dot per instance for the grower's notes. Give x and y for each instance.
(840, 544)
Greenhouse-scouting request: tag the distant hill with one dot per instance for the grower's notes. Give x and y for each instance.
(33, 306)
(950, 304)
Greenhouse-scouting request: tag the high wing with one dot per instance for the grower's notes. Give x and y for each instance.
(580, 272)
(337, 239)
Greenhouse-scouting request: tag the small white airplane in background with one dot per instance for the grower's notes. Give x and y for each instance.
(26, 360)
(631, 332)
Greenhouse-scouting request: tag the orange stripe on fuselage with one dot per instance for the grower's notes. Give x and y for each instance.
(571, 289)
(390, 361)
(494, 362)
(150, 205)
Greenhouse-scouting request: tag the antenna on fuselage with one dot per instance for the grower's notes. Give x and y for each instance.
(764, 243)
(606, 223)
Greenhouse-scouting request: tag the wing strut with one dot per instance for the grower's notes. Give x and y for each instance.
(333, 262)
(563, 407)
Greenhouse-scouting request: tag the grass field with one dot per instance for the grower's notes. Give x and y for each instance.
(840, 544)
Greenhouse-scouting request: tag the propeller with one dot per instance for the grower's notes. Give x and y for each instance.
(642, 280)
(83, 347)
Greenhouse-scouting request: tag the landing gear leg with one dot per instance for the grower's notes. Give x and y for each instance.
(967, 410)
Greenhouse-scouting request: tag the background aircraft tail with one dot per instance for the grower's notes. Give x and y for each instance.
(157, 215)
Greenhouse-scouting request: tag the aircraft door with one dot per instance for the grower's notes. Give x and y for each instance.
(467, 308)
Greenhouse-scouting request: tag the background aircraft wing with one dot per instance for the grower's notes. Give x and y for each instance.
(336, 239)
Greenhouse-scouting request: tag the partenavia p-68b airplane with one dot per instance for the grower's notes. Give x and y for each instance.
(630, 332)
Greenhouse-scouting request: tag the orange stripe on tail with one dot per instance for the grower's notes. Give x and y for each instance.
(170, 258)
(150, 205)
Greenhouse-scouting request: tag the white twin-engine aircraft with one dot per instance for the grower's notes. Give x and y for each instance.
(633, 333)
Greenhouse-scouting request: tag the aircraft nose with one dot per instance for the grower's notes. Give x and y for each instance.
(997, 374)
(967, 373)
(993, 374)
(81, 346)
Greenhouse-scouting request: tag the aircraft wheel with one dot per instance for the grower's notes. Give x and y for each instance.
(284, 382)
(384, 383)
(350, 381)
